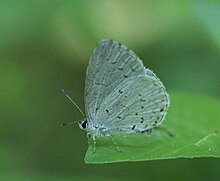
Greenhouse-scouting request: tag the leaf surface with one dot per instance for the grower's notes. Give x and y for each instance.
(193, 119)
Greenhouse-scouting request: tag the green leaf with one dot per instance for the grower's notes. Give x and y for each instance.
(195, 121)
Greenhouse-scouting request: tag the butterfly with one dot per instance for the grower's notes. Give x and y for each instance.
(121, 95)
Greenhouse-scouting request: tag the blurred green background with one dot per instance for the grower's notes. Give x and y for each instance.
(45, 46)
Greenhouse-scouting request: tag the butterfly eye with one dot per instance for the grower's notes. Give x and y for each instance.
(84, 124)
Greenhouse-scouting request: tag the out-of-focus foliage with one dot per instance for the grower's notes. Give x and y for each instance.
(45, 46)
(209, 15)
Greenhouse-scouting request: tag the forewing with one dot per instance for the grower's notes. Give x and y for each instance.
(138, 104)
(110, 64)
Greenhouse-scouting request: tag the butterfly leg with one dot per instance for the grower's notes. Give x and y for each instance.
(167, 131)
(94, 143)
(113, 140)
(88, 136)
(148, 131)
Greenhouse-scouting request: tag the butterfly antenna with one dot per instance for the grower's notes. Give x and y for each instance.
(65, 124)
(68, 97)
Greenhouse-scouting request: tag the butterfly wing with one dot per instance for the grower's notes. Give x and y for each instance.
(137, 104)
(110, 64)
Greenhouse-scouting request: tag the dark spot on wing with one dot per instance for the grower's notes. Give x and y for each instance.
(120, 91)
(125, 76)
(146, 131)
(136, 114)
(133, 127)
(119, 117)
(162, 109)
(120, 68)
(142, 107)
(107, 110)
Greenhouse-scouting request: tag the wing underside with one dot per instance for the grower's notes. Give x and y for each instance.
(110, 64)
(120, 92)
(138, 104)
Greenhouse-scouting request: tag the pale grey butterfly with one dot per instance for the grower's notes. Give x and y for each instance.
(121, 95)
